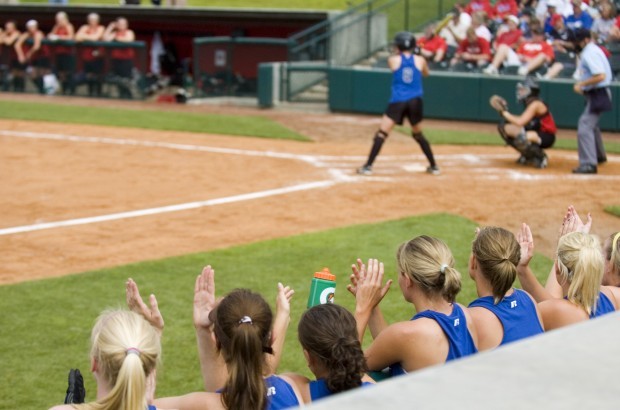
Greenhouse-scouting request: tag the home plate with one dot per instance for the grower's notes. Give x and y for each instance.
(414, 168)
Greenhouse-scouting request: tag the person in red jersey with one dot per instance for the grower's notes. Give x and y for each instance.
(432, 46)
(31, 52)
(64, 58)
(122, 57)
(92, 57)
(474, 50)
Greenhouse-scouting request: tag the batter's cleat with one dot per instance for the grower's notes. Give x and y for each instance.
(365, 170)
(541, 162)
(433, 170)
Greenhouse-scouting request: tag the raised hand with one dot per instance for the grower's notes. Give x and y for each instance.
(354, 278)
(136, 304)
(573, 223)
(283, 300)
(526, 242)
(204, 298)
(370, 289)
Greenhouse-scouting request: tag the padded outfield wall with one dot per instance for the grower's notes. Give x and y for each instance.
(456, 96)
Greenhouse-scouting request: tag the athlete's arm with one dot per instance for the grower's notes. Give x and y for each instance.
(422, 65)
(613, 293)
(387, 348)
(526, 276)
(36, 43)
(394, 62)
(533, 109)
(280, 325)
(18, 47)
(191, 401)
(488, 328)
(52, 33)
(377, 322)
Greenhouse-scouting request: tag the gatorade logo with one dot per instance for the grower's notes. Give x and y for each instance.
(327, 296)
(407, 75)
(513, 304)
(457, 322)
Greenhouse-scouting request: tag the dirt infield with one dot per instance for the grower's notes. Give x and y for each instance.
(88, 197)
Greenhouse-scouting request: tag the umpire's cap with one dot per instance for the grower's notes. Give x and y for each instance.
(404, 40)
(578, 35)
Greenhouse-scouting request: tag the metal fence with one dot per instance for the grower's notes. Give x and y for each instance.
(96, 69)
(228, 66)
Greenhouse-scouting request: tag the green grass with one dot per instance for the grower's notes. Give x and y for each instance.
(46, 324)
(454, 137)
(256, 4)
(244, 125)
(613, 209)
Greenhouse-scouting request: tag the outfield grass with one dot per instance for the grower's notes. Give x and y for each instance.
(255, 4)
(245, 125)
(46, 324)
(613, 209)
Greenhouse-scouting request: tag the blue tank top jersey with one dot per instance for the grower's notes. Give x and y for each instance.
(150, 407)
(454, 327)
(319, 390)
(603, 306)
(280, 394)
(406, 81)
(516, 312)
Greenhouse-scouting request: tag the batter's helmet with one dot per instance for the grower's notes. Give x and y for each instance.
(527, 88)
(404, 41)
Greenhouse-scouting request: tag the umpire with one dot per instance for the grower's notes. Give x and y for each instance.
(594, 77)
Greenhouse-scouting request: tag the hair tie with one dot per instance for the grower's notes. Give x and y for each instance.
(614, 245)
(132, 350)
(245, 319)
(442, 269)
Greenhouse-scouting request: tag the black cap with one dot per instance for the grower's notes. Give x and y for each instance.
(578, 35)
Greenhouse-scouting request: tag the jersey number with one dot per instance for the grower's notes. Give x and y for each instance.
(407, 75)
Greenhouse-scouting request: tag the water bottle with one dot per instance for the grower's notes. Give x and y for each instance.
(323, 288)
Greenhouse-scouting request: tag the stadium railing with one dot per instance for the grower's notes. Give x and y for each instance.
(101, 69)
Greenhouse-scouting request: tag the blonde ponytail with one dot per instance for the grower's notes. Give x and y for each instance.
(581, 264)
(612, 252)
(428, 262)
(126, 349)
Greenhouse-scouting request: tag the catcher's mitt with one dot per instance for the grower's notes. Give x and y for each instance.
(75, 392)
(498, 103)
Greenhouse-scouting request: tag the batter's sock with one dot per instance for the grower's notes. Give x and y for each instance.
(377, 143)
(426, 147)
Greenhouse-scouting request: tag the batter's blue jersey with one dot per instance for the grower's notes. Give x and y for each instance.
(406, 81)
(516, 312)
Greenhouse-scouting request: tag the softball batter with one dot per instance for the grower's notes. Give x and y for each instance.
(406, 101)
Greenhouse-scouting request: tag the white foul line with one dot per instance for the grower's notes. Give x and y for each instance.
(167, 209)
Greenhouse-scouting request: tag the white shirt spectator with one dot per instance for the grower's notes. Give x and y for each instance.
(459, 29)
(483, 31)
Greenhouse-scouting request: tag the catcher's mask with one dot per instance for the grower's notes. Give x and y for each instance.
(527, 88)
(404, 41)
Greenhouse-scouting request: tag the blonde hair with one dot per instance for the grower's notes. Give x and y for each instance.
(428, 262)
(612, 251)
(581, 264)
(126, 349)
(497, 252)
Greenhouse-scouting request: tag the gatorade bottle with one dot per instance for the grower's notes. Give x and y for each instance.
(322, 289)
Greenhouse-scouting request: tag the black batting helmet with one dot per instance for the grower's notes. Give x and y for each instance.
(404, 41)
(527, 88)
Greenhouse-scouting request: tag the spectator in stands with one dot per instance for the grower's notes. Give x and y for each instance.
(474, 51)
(604, 28)
(478, 23)
(505, 8)
(479, 6)
(456, 29)
(512, 36)
(125, 352)
(432, 46)
(612, 260)
(9, 38)
(579, 18)
(529, 57)
(552, 10)
(122, 57)
(502, 314)
(559, 35)
(92, 57)
(65, 61)
(577, 272)
(526, 22)
(31, 52)
(442, 330)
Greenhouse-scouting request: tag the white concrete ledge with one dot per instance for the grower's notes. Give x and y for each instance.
(577, 367)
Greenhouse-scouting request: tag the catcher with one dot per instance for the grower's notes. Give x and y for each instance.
(532, 131)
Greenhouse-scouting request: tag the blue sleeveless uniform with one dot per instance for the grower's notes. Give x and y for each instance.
(150, 407)
(454, 326)
(280, 394)
(516, 312)
(319, 390)
(406, 81)
(603, 306)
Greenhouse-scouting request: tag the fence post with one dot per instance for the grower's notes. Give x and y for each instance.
(368, 27)
(407, 15)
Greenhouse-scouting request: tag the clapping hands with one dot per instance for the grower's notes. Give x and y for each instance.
(367, 284)
(136, 304)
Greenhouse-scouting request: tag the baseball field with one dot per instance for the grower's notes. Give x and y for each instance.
(95, 192)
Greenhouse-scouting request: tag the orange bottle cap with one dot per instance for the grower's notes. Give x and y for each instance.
(325, 274)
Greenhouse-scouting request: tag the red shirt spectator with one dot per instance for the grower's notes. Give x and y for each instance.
(505, 8)
(479, 46)
(475, 6)
(532, 48)
(512, 36)
(434, 44)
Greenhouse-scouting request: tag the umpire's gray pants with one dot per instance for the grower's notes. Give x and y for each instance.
(589, 139)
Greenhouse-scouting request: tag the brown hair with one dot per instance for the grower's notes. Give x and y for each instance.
(242, 326)
(428, 262)
(497, 252)
(329, 332)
